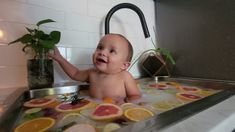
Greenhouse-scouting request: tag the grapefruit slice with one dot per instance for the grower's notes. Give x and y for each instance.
(39, 102)
(81, 128)
(137, 114)
(160, 86)
(190, 89)
(36, 125)
(188, 96)
(106, 111)
(68, 107)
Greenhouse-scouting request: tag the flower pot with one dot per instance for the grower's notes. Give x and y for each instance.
(40, 73)
(155, 64)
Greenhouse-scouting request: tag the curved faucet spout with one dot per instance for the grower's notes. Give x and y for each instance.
(129, 6)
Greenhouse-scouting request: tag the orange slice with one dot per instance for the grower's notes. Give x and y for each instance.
(36, 125)
(108, 100)
(137, 114)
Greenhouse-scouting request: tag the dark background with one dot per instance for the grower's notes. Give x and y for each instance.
(200, 34)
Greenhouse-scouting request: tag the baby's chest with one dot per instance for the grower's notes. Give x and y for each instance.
(107, 82)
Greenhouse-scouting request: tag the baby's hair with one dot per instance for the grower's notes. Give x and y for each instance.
(130, 48)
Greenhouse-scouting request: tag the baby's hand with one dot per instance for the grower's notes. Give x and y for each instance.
(56, 56)
(132, 98)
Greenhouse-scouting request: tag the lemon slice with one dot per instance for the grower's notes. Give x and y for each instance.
(69, 118)
(175, 103)
(128, 105)
(111, 127)
(36, 125)
(32, 110)
(162, 106)
(137, 114)
(86, 112)
(206, 92)
(81, 128)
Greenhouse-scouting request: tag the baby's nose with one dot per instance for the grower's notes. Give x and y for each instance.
(103, 53)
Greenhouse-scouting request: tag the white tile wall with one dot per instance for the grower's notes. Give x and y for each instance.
(81, 23)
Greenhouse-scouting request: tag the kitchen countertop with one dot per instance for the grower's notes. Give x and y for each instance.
(220, 117)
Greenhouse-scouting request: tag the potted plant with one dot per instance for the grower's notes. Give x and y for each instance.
(40, 68)
(156, 61)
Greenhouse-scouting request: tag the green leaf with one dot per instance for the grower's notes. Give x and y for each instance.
(55, 36)
(39, 34)
(167, 54)
(29, 30)
(17, 40)
(47, 44)
(44, 21)
(24, 39)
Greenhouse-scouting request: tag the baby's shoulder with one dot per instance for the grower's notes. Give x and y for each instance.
(125, 74)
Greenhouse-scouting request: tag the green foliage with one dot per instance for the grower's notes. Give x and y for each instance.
(38, 40)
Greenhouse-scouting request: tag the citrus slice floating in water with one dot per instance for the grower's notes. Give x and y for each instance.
(68, 107)
(111, 127)
(190, 89)
(81, 128)
(188, 96)
(175, 103)
(32, 110)
(36, 125)
(69, 118)
(207, 92)
(162, 106)
(108, 100)
(106, 111)
(39, 102)
(137, 114)
(128, 105)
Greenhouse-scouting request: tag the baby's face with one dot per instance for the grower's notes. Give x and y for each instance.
(111, 54)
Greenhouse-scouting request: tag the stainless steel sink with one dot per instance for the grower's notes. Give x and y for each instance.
(158, 122)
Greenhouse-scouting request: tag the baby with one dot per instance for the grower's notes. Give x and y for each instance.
(109, 78)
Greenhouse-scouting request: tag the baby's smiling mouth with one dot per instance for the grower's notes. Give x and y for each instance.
(101, 60)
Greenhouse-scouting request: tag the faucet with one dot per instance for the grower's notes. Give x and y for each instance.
(134, 8)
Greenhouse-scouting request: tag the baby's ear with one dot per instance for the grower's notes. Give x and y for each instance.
(125, 65)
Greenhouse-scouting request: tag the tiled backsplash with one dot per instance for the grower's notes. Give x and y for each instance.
(81, 23)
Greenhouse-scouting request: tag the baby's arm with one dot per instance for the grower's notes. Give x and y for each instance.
(73, 72)
(132, 90)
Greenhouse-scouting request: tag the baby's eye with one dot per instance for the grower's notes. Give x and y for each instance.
(113, 51)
